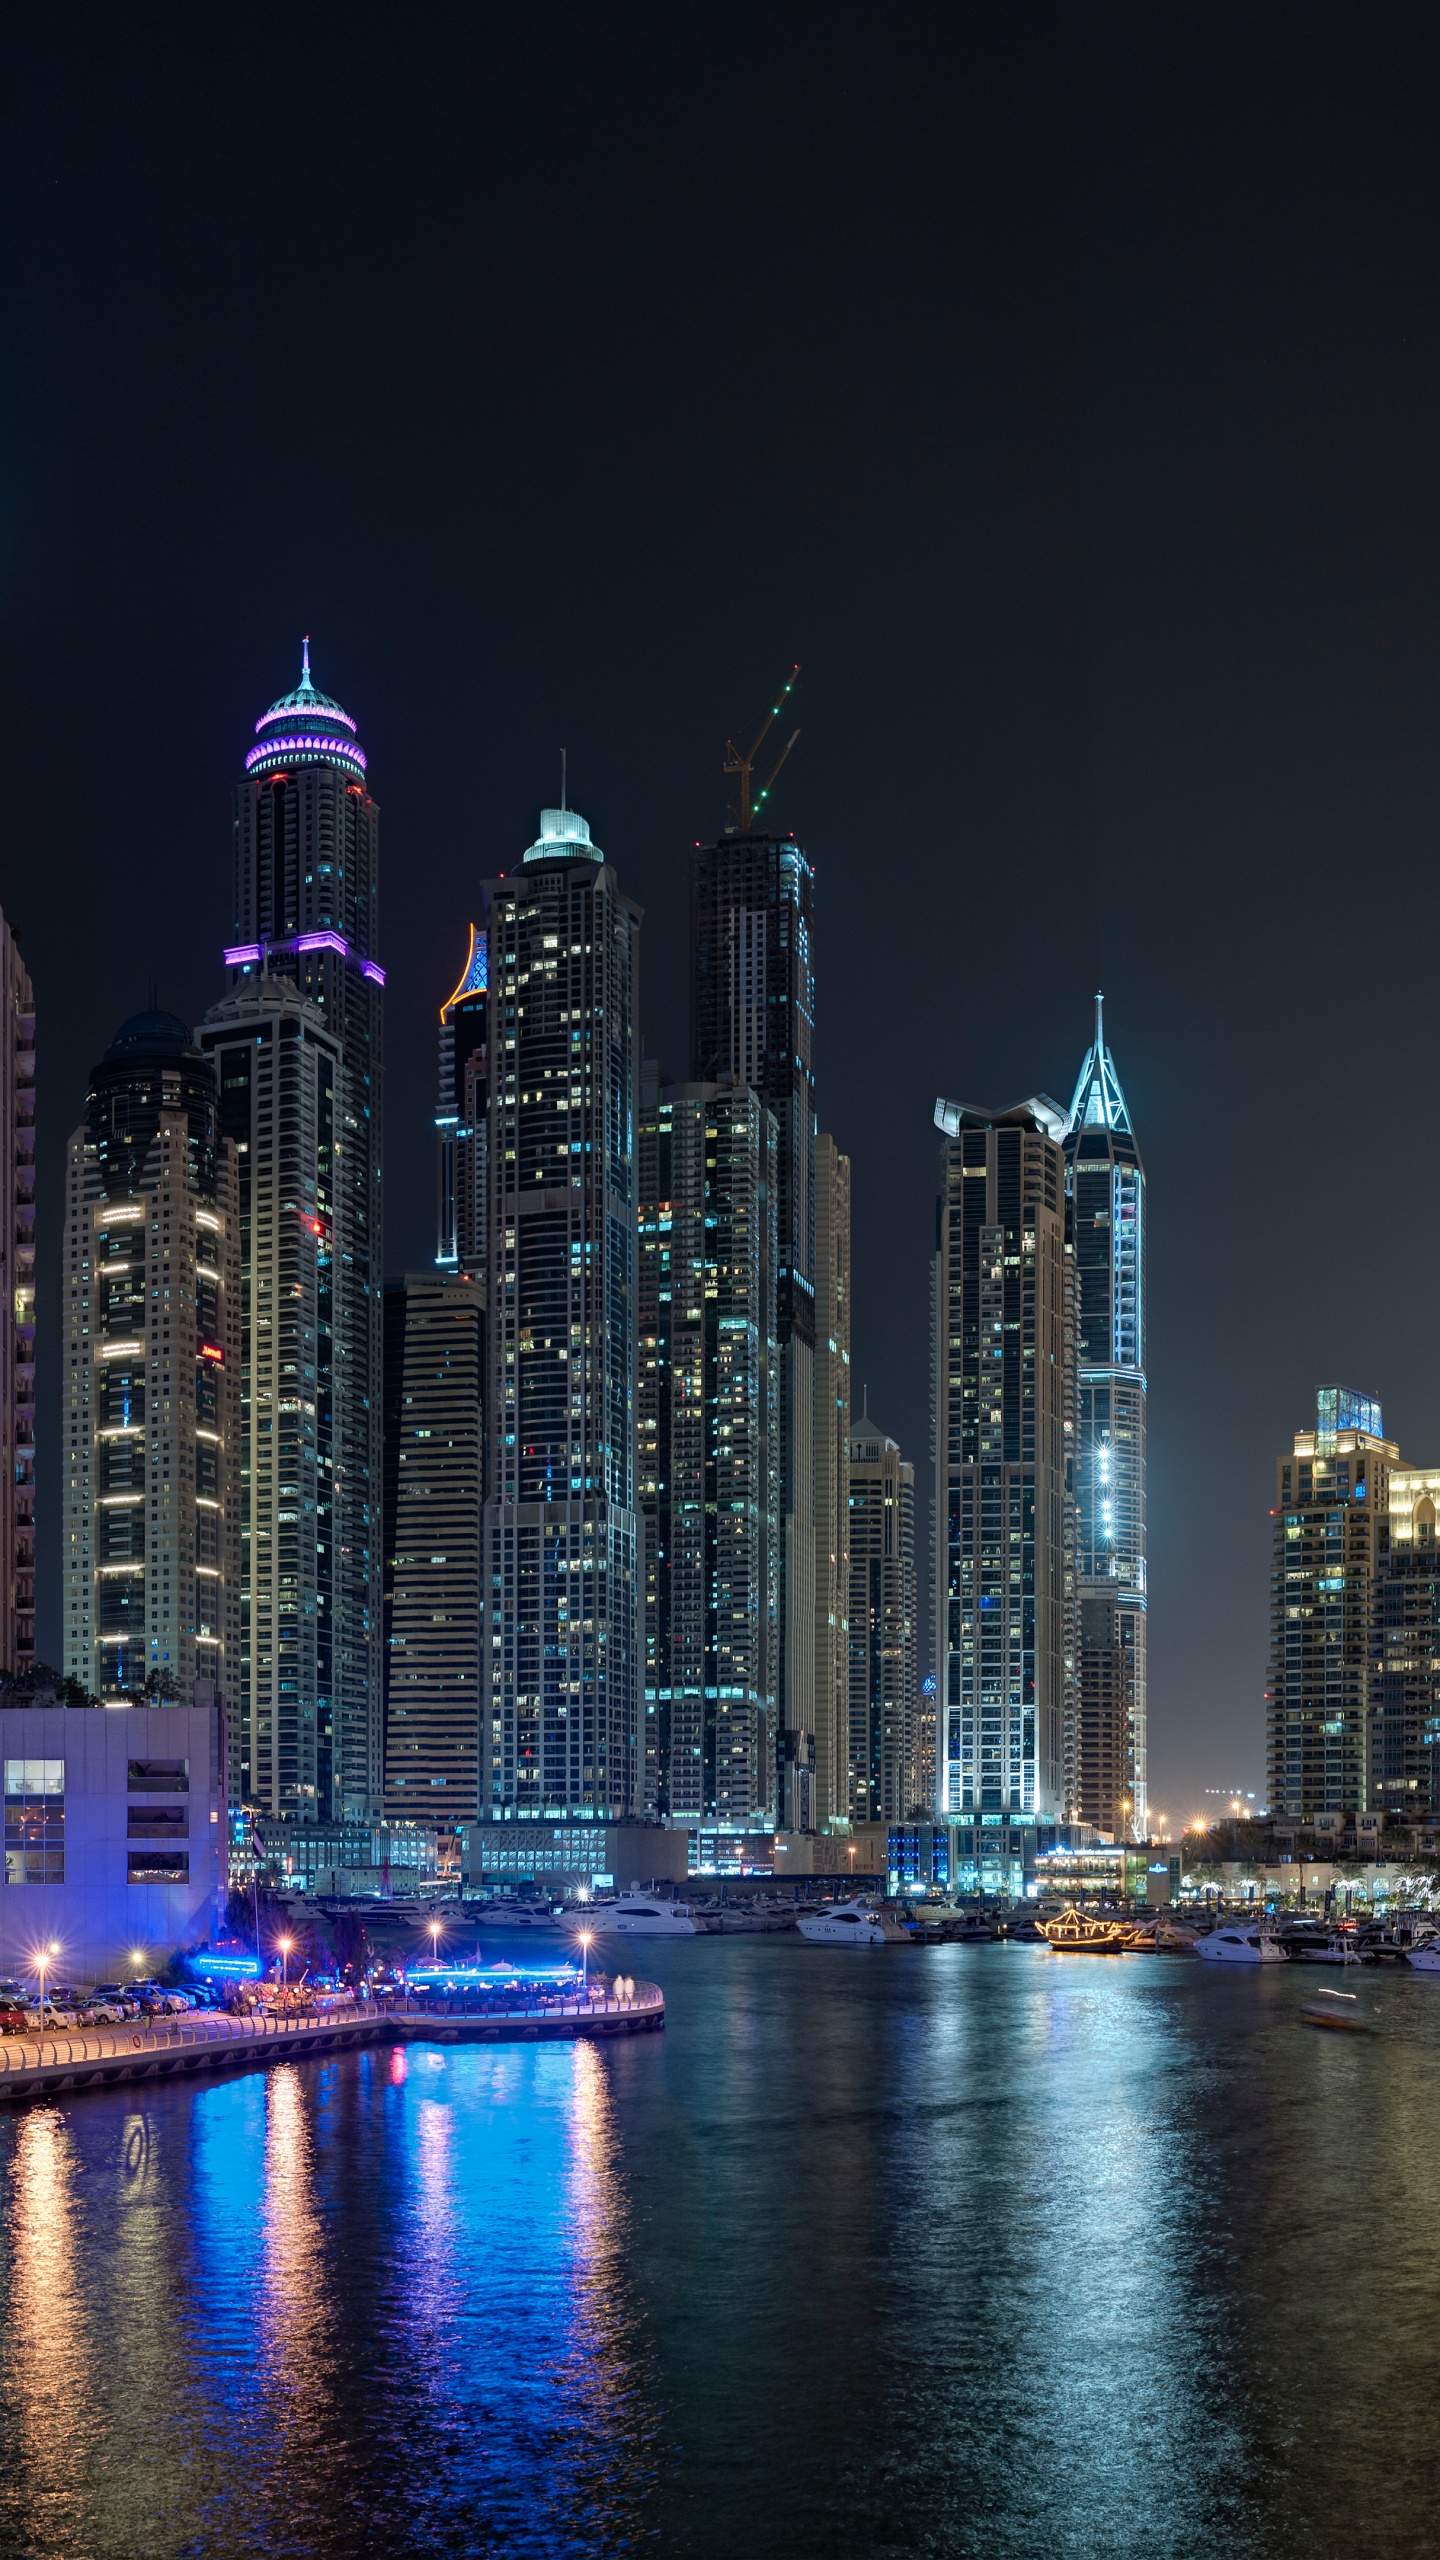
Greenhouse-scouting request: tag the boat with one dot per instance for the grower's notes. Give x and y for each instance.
(1392, 1942)
(850, 1924)
(1323, 1946)
(1425, 1959)
(1075, 1934)
(1240, 1944)
(972, 1931)
(1320, 2012)
(644, 1915)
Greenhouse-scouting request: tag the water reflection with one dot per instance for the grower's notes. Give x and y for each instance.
(47, 2357)
(968, 2252)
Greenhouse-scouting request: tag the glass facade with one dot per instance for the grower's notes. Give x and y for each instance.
(1106, 1775)
(563, 1713)
(1003, 1371)
(1332, 1531)
(752, 935)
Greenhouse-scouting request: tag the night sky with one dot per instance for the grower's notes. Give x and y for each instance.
(1060, 387)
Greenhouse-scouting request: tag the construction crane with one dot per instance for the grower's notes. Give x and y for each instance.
(742, 760)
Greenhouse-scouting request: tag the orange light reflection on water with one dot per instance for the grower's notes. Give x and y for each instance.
(46, 2348)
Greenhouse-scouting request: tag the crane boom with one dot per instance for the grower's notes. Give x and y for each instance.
(741, 760)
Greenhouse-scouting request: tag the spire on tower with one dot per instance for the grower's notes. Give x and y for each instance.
(305, 676)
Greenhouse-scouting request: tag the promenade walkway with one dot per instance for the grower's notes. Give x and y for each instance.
(81, 2058)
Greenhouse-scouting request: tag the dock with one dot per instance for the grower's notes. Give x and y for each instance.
(37, 2066)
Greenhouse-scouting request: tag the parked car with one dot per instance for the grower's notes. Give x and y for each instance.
(12, 2017)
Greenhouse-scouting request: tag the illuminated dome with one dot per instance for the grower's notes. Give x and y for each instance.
(304, 727)
(564, 837)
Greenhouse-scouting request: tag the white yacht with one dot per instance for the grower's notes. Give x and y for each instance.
(1240, 1945)
(850, 1924)
(1425, 1959)
(644, 1915)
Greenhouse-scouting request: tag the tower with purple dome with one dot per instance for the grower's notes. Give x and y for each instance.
(306, 905)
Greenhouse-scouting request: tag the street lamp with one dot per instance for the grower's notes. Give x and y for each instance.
(585, 1936)
(285, 1946)
(46, 1952)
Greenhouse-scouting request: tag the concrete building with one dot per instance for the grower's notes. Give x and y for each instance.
(832, 1485)
(151, 1295)
(563, 1710)
(1106, 1778)
(1003, 1369)
(306, 907)
(709, 1449)
(279, 1079)
(115, 1837)
(884, 1627)
(572, 1857)
(1331, 1520)
(436, 1765)
(752, 901)
(17, 1335)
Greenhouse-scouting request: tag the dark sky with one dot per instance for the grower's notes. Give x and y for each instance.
(1059, 386)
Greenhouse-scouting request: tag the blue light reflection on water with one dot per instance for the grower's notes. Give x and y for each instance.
(970, 2251)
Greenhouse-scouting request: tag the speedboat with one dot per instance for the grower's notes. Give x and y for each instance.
(850, 1924)
(644, 1915)
(1425, 1959)
(1240, 1946)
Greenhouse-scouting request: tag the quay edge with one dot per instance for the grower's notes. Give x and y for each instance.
(37, 2066)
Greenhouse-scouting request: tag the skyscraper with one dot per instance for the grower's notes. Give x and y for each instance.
(17, 1336)
(883, 1627)
(1106, 1779)
(753, 1020)
(708, 1431)
(1404, 1700)
(434, 1486)
(832, 1483)
(461, 1121)
(1332, 1520)
(1003, 1371)
(306, 906)
(151, 1286)
(280, 1079)
(561, 1560)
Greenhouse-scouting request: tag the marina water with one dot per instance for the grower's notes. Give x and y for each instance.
(973, 2250)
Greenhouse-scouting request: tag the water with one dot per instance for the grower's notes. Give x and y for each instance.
(968, 2251)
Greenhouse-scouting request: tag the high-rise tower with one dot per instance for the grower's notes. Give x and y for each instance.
(435, 1614)
(151, 1286)
(306, 902)
(752, 905)
(280, 1077)
(1106, 1776)
(832, 1484)
(460, 1119)
(1332, 1533)
(17, 1336)
(708, 1459)
(883, 1627)
(564, 1692)
(1003, 1372)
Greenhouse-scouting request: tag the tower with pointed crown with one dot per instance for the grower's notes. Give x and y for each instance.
(1106, 1760)
(306, 908)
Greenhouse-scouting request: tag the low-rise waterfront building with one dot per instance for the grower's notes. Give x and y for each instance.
(576, 1856)
(115, 1836)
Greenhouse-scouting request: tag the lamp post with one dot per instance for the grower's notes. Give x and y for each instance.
(285, 1946)
(585, 1959)
(52, 1948)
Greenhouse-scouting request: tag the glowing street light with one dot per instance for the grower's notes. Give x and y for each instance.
(285, 1945)
(41, 1961)
(585, 1937)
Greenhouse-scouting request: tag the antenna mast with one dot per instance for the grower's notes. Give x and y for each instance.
(742, 760)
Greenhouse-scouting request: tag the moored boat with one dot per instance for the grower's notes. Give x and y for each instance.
(1240, 1943)
(850, 1924)
(1073, 1933)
